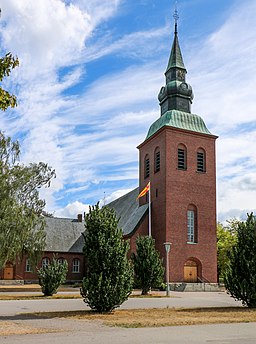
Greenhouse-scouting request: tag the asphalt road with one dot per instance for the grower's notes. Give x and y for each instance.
(84, 331)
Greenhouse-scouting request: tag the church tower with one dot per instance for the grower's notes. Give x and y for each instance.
(178, 158)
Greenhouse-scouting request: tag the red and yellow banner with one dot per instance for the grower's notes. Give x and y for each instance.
(144, 191)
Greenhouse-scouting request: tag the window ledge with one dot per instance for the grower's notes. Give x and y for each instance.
(192, 243)
(75, 272)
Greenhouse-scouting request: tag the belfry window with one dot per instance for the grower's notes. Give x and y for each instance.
(157, 160)
(146, 167)
(201, 161)
(182, 157)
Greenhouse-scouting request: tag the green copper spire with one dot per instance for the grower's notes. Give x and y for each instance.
(175, 60)
(176, 94)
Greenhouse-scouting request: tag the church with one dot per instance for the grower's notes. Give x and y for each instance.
(177, 166)
(177, 160)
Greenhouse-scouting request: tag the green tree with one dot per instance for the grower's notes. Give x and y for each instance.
(108, 282)
(7, 63)
(240, 277)
(226, 239)
(52, 276)
(21, 221)
(148, 266)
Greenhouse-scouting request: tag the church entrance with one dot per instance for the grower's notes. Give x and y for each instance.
(8, 272)
(190, 272)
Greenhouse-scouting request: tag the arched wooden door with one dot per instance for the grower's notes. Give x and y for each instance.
(8, 272)
(190, 272)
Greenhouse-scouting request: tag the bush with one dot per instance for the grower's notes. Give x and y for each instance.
(148, 266)
(52, 276)
(108, 282)
(240, 277)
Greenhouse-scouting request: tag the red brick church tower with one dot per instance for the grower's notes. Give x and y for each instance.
(178, 158)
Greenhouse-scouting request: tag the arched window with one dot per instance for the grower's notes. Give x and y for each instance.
(45, 262)
(201, 158)
(76, 265)
(192, 224)
(61, 260)
(157, 160)
(182, 157)
(28, 266)
(146, 166)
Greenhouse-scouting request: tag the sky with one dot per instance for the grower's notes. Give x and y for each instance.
(87, 86)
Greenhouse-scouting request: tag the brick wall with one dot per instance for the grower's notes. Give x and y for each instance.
(173, 190)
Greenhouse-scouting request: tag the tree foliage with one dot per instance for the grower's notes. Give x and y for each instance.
(21, 221)
(108, 281)
(148, 266)
(226, 239)
(7, 63)
(240, 277)
(52, 276)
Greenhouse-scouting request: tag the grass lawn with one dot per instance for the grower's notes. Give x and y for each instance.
(162, 317)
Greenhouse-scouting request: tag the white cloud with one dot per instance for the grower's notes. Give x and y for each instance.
(79, 136)
(72, 210)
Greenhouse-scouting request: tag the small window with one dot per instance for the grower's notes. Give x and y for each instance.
(45, 262)
(61, 260)
(28, 266)
(201, 161)
(157, 160)
(76, 265)
(147, 167)
(182, 157)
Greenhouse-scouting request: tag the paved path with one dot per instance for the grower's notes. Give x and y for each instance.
(178, 299)
(84, 331)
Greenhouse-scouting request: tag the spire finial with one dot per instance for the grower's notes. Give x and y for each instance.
(176, 17)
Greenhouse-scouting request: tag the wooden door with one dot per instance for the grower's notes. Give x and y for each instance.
(8, 272)
(190, 272)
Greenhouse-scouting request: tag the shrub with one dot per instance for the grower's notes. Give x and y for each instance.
(148, 266)
(52, 276)
(240, 277)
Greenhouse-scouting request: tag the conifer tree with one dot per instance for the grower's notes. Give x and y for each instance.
(108, 281)
(148, 266)
(52, 276)
(240, 278)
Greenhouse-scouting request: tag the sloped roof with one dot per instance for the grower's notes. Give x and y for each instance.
(64, 235)
(179, 119)
(127, 208)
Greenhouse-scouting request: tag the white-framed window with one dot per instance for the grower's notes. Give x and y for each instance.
(28, 266)
(191, 225)
(76, 265)
(45, 262)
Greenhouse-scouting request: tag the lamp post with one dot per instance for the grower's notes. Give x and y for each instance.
(167, 246)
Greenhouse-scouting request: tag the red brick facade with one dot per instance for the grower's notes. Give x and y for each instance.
(173, 191)
(19, 271)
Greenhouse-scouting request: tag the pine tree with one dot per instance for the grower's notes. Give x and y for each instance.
(148, 266)
(240, 278)
(108, 282)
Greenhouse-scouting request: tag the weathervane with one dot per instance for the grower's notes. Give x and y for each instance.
(176, 16)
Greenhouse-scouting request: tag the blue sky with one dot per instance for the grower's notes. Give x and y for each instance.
(90, 72)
